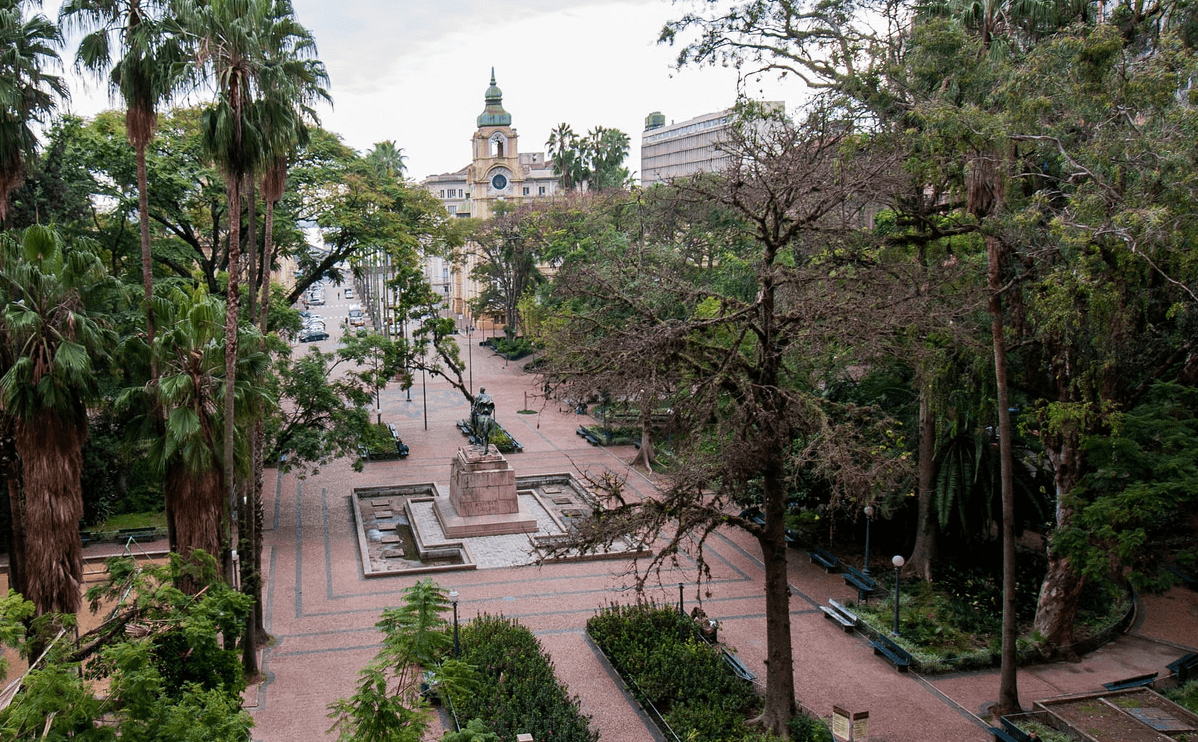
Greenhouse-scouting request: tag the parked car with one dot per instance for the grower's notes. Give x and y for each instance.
(349, 293)
(308, 336)
(317, 300)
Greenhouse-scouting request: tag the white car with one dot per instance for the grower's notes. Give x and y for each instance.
(349, 293)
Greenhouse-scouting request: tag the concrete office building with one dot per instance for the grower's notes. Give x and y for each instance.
(688, 147)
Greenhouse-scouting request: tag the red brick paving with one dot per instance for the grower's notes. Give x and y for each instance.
(321, 610)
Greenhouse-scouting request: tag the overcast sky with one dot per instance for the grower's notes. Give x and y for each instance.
(415, 72)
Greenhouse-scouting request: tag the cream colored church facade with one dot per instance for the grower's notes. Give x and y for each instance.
(498, 173)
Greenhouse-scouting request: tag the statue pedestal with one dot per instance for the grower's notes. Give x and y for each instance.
(482, 497)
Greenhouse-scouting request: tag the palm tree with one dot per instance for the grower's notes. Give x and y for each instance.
(124, 39)
(290, 82)
(186, 451)
(228, 42)
(53, 340)
(563, 152)
(27, 91)
(388, 160)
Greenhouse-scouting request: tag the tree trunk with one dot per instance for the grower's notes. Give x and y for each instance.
(232, 312)
(1008, 693)
(199, 503)
(779, 671)
(50, 448)
(923, 554)
(10, 463)
(1061, 590)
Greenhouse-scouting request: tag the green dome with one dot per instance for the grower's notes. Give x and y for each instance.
(493, 114)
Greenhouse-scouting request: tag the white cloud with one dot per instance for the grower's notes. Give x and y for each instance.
(415, 72)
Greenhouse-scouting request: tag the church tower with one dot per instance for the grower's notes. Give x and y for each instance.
(495, 174)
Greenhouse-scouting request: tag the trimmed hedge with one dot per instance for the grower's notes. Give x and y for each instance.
(518, 691)
(669, 667)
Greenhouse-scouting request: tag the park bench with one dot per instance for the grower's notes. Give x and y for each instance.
(587, 434)
(737, 666)
(1012, 732)
(898, 656)
(1139, 681)
(137, 534)
(834, 611)
(824, 558)
(400, 447)
(1186, 579)
(1185, 667)
(753, 515)
(864, 583)
(1002, 735)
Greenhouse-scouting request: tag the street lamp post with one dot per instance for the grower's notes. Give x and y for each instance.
(453, 598)
(869, 515)
(470, 353)
(898, 563)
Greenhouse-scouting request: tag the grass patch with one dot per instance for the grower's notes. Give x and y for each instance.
(131, 520)
(955, 624)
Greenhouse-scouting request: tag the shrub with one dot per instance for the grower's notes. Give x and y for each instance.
(517, 690)
(669, 667)
(1186, 695)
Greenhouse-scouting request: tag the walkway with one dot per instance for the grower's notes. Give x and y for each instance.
(321, 610)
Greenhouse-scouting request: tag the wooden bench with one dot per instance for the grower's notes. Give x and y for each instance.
(1139, 681)
(864, 583)
(898, 656)
(737, 666)
(1185, 667)
(824, 558)
(834, 611)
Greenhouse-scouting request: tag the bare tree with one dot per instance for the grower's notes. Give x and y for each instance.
(746, 343)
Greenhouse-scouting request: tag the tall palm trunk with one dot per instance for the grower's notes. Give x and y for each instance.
(232, 313)
(199, 502)
(10, 469)
(139, 126)
(50, 446)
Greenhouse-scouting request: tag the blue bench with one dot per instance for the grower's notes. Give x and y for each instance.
(1011, 733)
(588, 435)
(1185, 667)
(1186, 579)
(864, 583)
(1139, 681)
(824, 558)
(898, 656)
(1001, 735)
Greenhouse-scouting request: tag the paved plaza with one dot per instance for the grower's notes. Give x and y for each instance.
(322, 610)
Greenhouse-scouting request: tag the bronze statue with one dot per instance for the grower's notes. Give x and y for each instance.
(482, 417)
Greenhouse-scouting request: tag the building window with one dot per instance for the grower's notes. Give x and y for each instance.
(453, 210)
(526, 190)
(442, 193)
(542, 191)
(460, 193)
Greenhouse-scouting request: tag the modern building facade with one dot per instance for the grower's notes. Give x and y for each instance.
(688, 147)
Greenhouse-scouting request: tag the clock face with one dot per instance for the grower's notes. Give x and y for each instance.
(499, 181)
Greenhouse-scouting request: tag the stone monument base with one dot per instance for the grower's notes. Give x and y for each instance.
(482, 498)
(457, 526)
